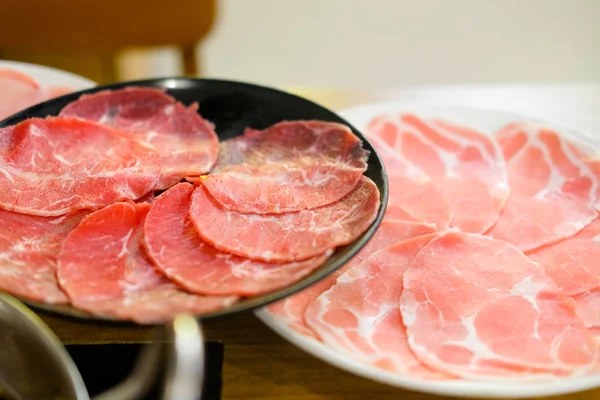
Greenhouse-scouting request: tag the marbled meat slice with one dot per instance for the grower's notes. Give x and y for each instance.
(360, 314)
(291, 310)
(29, 247)
(104, 271)
(553, 191)
(285, 237)
(17, 92)
(413, 196)
(53, 166)
(477, 307)
(290, 166)
(179, 253)
(463, 163)
(187, 143)
(574, 264)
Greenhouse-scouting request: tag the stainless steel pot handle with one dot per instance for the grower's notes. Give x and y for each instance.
(180, 345)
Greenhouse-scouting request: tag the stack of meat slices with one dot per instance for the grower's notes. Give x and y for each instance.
(486, 265)
(94, 211)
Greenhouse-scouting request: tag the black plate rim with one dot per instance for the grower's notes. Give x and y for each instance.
(246, 304)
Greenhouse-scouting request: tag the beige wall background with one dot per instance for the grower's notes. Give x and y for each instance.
(383, 43)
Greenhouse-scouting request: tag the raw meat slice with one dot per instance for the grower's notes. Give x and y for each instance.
(291, 166)
(477, 307)
(179, 253)
(421, 201)
(412, 195)
(466, 165)
(53, 166)
(187, 144)
(56, 91)
(291, 310)
(17, 92)
(29, 248)
(574, 264)
(553, 191)
(103, 271)
(147, 198)
(360, 315)
(285, 237)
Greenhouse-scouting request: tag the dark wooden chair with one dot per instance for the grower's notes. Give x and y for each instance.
(86, 36)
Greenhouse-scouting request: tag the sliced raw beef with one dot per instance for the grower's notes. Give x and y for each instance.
(286, 237)
(179, 253)
(360, 314)
(477, 307)
(288, 167)
(292, 308)
(53, 166)
(103, 270)
(553, 191)
(147, 198)
(17, 92)
(413, 196)
(464, 164)
(574, 264)
(187, 144)
(29, 248)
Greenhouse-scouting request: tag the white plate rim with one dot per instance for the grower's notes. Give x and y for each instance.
(358, 116)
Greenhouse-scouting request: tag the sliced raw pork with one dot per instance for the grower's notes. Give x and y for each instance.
(413, 196)
(291, 166)
(360, 314)
(187, 144)
(553, 191)
(53, 166)
(463, 163)
(17, 92)
(285, 237)
(477, 307)
(179, 253)
(29, 248)
(104, 271)
(574, 264)
(56, 91)
(292, 308)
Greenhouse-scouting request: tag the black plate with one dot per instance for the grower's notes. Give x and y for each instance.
(232, 107)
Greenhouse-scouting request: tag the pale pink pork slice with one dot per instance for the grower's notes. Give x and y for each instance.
(291, 310)
(553, 191)
(413, 196)
(290, 166)
(574, 264)
(187, 143)
(286, 237)
(56, 91)
(29, 247)
(53, 166)
(360, 314)
(478, 308)
(464, 164)
(17, 92)
(180, 254)
(103, 270)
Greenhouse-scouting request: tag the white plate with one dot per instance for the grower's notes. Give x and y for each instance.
(47, 76)
(487, 121)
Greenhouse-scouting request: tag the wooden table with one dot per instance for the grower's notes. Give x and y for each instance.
(261, 365)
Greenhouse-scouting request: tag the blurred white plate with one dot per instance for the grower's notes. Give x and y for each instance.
(47, 76)
(487, 121)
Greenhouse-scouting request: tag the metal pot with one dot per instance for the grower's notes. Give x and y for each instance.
(35, 365)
